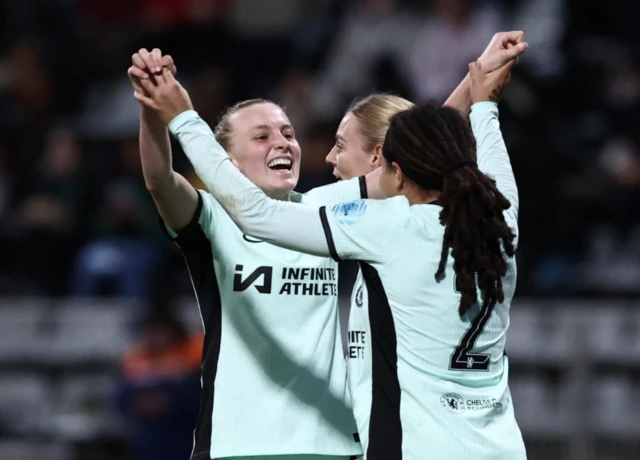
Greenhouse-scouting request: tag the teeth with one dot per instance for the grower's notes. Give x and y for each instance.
(279, 161)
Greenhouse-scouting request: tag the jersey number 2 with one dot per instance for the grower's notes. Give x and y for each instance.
(462, 358)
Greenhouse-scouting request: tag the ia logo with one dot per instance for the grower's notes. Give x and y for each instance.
(266, 273)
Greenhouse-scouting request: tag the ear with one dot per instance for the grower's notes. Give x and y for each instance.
(400, 178)
(376, 158)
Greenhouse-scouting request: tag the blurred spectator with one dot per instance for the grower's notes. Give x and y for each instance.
(160, 392)
(451, 34)
(370, 33)
(314, 171)
(570, 116)
(47, 225)
(125, 256)
(544, 22)
(209, 90)
(295, 94)
(5, 185)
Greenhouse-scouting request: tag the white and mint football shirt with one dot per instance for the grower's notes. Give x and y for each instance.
(274, 375)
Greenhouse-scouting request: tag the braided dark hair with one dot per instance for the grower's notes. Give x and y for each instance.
(436, 149)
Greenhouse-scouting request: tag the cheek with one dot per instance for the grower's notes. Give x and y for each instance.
(345, 159)
(250, 160)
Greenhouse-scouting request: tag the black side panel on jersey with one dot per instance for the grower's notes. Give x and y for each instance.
(364, 194)
(327, 233)
(197, 253)
(385, 427)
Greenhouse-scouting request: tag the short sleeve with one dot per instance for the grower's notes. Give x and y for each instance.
(190, 238)
(361, 229)
(341, 191)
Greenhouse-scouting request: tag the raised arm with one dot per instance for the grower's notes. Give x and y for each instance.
(175, 199)
(493, 158)
(290, 225)
(503, 47)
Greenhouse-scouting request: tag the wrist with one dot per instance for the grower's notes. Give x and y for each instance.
(149, 115)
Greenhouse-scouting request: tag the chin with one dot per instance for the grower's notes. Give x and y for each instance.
(283, 187)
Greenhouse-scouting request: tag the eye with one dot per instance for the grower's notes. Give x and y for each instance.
(289, 135)
(262, 137)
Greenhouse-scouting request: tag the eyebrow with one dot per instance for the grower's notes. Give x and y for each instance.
(340, 138)
(267, 127)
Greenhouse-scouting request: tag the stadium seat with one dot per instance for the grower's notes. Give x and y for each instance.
(22, 331)
(613, 406)
(560, 333)
(20, 449)
(89, 332)
(539, 408)
(612, 335)
(84, 406)
(524, 330)
(24, 403)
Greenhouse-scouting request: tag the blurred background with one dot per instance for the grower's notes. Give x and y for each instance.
(100, 337)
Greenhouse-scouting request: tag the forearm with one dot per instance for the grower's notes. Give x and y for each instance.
(175, 199)
(460, 99)
(254, 213)
(155, 150)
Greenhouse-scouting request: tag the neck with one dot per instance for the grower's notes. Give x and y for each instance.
(277, 195)
(418, 195)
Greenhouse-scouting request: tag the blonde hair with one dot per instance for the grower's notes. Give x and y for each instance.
(223, 128)
(374, 113)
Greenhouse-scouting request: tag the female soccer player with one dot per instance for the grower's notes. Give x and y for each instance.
(274, 376)
(438, 267)
(249, 393)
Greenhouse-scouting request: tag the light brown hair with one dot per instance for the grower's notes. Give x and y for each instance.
(374, 113)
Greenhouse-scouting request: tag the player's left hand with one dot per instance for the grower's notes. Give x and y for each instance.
(503, 48)
(146, 64)
(167, 96)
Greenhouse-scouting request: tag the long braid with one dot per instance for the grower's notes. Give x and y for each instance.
(436, 144)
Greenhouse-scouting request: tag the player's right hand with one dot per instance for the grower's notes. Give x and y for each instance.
(503, 47)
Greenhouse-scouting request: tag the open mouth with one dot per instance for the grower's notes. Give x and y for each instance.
(280, 164)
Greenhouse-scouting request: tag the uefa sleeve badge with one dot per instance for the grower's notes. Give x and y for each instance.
(350, 212)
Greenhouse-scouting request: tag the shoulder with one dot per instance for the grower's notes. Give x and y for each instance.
(212, 212)
(208, 200)
(391, 210)
(336, 192)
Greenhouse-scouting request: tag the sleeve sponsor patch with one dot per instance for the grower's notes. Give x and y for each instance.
(350, 212)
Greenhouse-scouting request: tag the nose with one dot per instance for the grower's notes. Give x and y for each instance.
(281, 142)
(331, 157)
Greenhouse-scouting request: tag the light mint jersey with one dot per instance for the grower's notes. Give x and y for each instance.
(426, 383)
(274, 374)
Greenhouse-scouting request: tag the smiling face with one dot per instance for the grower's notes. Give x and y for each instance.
(348, 156)
(262, 144)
